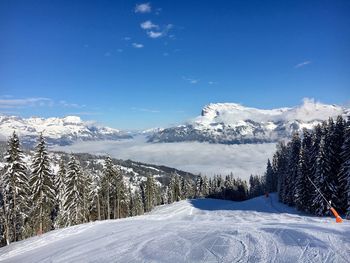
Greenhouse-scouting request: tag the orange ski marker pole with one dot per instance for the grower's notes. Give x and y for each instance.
(338, 219)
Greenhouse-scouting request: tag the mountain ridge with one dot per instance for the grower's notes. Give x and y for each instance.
(232, 123)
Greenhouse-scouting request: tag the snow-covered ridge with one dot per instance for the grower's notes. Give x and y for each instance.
(233, 123)
(232, 113)
(60, 131)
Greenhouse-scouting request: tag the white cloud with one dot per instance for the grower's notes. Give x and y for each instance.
(158, 34)
(137, 45)
(153, 34)
(195, 157)
(24, 103)
(143, 8)
(126, 38)
(191, 80)
(148, 25)
(302, 64)
(66, 104)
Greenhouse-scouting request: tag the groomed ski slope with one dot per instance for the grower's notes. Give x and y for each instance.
(205, 230)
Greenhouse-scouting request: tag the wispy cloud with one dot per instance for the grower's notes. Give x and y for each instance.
(191, 80)
(24, 103)
(145, 110)
(66, 104)
(137, 45)
(143, 8)
(127, 38)
(302, 64)
(148, 25)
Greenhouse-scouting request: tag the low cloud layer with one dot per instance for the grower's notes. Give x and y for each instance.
(209, 159)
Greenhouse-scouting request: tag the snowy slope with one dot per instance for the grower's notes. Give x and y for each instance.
(206, 230)
(60, 131)
(232, 123)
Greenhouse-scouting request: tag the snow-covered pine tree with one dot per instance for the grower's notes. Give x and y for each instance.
(323, 178)
(269, 178)
(149, 193)
(108, 175)
(256, 186)
(60, 187)
(120, 196)
(74, 199)
(139, 208)
(303, 186)
(198, 186)
(315, 148)
(205, 186)
(345, 170)
(14, 190)
(42, 188)
(170, 191)
(336, 142)
(95, 194)
(292, 172)
(280, 168)
(87, 193)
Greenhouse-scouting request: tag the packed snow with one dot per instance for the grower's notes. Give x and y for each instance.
(195, 157)
(202, 230)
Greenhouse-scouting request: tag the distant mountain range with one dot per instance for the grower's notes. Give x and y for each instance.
(59, 131)
(226, 123)
(231, 123)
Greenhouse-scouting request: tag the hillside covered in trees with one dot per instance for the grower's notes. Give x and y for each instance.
(320, 157)
(42, 191)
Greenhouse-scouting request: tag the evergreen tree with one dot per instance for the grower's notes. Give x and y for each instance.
(60, 187)
(108, 176)
(345, 171)
(322, 178)
(316, 140)
(43, 191)
(96, 194)
(336, 160)
(269, 178)
(74, 199)
(303, 186)
(205, 186)
(198, 186)
(149, 193)
(293, 163)
(14, 191)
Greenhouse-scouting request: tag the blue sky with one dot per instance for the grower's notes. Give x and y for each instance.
(135, 65)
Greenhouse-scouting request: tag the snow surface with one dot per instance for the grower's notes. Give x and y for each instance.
(204, 230)
(195, 157)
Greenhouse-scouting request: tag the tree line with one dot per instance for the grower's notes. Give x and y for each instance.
(319, 157)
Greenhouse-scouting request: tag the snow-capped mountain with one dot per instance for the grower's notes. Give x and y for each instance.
(232, 123)
(61, 131)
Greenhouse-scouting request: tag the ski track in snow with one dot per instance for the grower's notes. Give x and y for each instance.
(204, 230)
